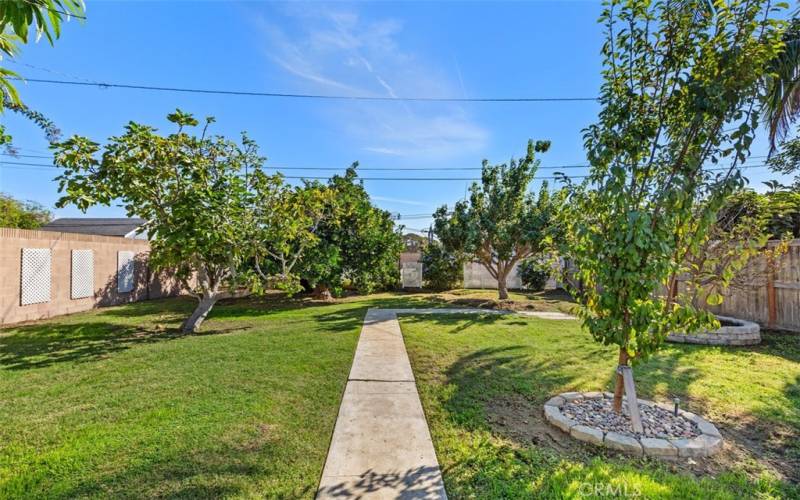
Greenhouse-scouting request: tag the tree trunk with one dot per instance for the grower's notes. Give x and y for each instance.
(192, 324)
(322, 292)
(502, 288)
(619, 389)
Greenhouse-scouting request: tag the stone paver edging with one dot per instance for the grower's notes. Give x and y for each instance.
(742, 332)
(706, 444)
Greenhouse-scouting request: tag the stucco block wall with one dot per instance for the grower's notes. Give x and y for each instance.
(105, 251)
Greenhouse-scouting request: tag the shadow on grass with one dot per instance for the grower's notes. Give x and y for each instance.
(769, 434)
(176, 308)
(501, 390)
(100, 333)
(41, 345)
(227, 471)
(457, 322)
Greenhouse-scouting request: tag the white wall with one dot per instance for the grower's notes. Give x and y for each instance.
(476, 276)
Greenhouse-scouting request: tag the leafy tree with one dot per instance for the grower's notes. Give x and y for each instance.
(16, 19)
(284, 224)
(441, 270)
(189, 190)
(777, 213)
(22, 214)
(781, 101)
(357, 242)
(51, 131)
(501, 223)
(534, 274)
(680, 86)
(787, 160)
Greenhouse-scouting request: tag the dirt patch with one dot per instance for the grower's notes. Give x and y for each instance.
(772, 447)
(547, 301)
(748, 446)
(522, 421)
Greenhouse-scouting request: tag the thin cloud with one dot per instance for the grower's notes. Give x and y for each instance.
(384, 151)
(342, 50)
(401, 201)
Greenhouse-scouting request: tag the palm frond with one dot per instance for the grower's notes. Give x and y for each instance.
(782, 89)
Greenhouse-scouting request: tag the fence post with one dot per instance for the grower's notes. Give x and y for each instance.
(772, 296)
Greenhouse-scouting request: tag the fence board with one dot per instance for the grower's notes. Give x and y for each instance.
(753, 304)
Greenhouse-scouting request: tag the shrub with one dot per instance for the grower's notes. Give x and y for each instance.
(533, 274)
(441, 270)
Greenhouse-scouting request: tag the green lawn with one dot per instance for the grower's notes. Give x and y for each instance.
(116, 402)
(483, 380)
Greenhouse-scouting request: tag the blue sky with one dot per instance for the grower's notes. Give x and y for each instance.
(443, 49)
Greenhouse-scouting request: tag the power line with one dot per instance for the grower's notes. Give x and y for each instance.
(106, 85)
(26, 156)
(51, 71)
(399, 169)
(24, 165)
(359, 169)
(14, 147)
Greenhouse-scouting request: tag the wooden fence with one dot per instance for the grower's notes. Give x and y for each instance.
(773, 303)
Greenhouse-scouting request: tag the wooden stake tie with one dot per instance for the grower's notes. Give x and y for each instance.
(633, 401)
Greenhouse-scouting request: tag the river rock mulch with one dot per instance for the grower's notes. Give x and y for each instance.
(657, 422)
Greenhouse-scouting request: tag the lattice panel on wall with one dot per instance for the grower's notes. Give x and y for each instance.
(35, 276)
(82, 284)
(124, 271)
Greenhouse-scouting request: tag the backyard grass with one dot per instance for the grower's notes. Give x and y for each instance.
(483, 380)
(550, 300)
(117, 403)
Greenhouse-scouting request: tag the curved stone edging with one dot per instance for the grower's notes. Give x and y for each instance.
(743, 333)
(706, 444)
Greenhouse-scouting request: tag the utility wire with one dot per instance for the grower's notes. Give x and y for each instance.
(51, 71)
(359, 169)
(24, 165)
(26, 156)
(107, 85)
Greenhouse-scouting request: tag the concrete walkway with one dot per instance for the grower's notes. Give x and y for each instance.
(381, 446)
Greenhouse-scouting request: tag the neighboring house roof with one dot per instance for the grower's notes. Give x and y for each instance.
(125, 227)
(410, 257)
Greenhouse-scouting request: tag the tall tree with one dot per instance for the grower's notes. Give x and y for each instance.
(284, 224)
(188, 188)
(22, 214)
(680, 86)
(358, 242)
(781, 100)
(501, 223)
(17, 17)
